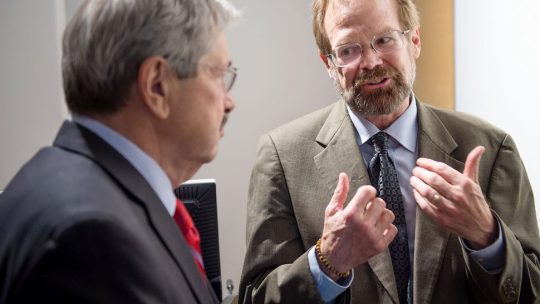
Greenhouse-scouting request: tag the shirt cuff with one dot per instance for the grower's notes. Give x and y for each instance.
(328, 289)
(490, 258)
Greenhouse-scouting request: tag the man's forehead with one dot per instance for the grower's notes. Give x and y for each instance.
(221, 58)
(367, 14)
(219, 52)
(340, 10)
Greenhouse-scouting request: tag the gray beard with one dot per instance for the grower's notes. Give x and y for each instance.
(380, 101)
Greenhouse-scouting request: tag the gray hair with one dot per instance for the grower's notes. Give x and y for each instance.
(106, 41)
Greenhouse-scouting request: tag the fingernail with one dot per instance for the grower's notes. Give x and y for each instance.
(368, 205)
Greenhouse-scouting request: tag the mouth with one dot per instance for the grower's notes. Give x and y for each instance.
(376, 83)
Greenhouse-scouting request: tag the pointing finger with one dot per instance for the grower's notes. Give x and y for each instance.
(340, 193)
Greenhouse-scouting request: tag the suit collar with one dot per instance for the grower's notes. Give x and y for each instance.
(341, 153)
(80, 140)
(145, 165)
(432, 132)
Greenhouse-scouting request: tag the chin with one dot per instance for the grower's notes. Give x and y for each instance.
(210, 156)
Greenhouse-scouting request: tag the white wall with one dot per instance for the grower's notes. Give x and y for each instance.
(497, 71)
(31, 102)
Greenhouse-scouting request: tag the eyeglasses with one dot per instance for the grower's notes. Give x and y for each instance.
(384, 43)
(228, 75)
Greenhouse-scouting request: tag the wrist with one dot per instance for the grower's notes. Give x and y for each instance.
(487, 238)
(327, 267)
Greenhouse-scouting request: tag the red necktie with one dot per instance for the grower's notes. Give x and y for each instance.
(185, 223)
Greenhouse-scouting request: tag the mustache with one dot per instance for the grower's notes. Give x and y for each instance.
(374, 75)
(224, 121)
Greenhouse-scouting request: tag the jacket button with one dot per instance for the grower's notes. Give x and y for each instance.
(509, 289)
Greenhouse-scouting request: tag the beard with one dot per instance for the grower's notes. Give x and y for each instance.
(381, 101)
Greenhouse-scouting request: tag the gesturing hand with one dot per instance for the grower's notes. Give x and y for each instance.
(454, 199)
(361, 230)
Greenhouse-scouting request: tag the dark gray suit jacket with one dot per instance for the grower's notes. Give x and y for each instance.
(294, 176)
(79, 224)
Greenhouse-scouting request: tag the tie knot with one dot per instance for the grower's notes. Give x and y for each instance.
(380, 142)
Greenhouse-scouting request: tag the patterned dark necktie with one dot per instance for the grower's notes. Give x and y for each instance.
(384, 178)
(191, 234)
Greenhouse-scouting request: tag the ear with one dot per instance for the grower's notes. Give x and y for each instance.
(324, 59)
(153, 85)
(329, 68)
(416, 43)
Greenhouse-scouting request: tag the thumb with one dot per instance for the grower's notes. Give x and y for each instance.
(340, 194)
(473, 163)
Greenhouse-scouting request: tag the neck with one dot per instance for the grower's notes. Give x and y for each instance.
(143, 132)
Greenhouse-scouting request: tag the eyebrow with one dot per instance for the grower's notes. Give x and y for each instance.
(348, 36)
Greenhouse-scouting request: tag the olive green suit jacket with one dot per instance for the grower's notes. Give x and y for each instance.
(296, 171)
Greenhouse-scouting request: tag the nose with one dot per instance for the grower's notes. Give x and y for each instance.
(370, 59)
(229, 103)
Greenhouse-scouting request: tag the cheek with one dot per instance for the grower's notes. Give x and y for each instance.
(213, 99)
(408, 68)
(346, 77)
(216, 106)
(406, 63)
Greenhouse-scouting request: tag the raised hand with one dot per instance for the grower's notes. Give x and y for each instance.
(454, 199)
(361, 230)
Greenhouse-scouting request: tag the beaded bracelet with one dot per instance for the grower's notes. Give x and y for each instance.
(326, 264)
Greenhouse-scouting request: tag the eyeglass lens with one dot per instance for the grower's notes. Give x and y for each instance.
(385, 43)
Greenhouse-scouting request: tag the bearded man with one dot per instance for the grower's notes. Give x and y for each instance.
(431, 206)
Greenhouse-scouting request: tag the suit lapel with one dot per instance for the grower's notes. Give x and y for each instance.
(434, 142)
(83, 141)
(342, 154)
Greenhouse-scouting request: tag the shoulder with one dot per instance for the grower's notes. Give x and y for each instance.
(53, 188)
(304, 128)
(458, 133)
(60, 176)
(462, 126)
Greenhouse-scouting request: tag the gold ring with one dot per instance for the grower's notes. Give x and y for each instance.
(436, 198)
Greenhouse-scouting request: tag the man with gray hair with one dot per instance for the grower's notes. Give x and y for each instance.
(90, 218)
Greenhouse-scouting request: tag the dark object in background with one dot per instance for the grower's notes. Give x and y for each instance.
(199, 197)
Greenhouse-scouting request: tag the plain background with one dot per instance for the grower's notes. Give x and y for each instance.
(280, 78)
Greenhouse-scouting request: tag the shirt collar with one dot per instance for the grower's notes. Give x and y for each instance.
(404, 130)
(147, 166)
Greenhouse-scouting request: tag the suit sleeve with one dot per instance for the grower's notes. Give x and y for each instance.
(510, 196)
(276, 268)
